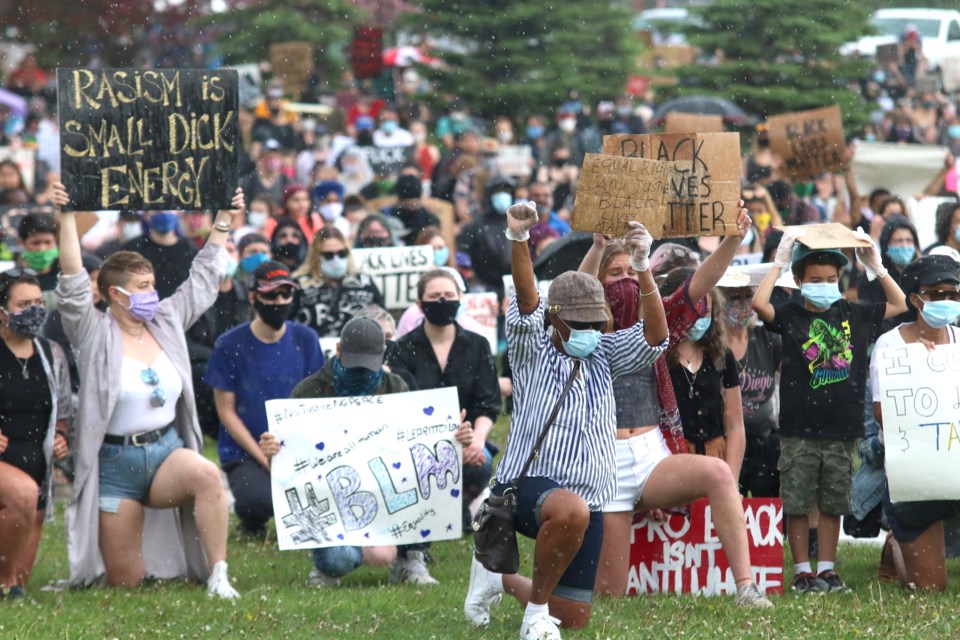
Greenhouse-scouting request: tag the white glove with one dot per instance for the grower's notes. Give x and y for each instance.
(870, 256)
(784, 256)
(639, 241)
(520, 218)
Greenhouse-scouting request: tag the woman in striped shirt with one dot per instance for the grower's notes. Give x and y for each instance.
(559, 502)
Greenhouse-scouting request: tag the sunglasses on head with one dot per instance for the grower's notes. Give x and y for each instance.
(330, 255)
(938, 296)
(276, 294)
(19, 272)
(158, 397)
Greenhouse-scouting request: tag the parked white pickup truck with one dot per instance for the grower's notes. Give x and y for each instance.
(939, 32)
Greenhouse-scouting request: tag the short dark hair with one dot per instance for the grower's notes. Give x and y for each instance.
(799, 268)
(11, 278)
(944, 217)
(34, 223)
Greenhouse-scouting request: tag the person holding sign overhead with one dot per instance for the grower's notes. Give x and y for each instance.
(574, 474)
(145, 502)
(914, 550)
(823, 376)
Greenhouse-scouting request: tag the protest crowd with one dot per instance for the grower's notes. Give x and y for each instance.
(387, 246)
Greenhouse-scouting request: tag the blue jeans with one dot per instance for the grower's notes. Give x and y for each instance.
(337, 562)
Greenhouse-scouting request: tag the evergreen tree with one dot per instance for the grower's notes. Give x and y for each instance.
(779, 57)
(518, 57)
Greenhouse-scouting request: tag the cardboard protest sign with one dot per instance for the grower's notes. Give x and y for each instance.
(810, 142)
(887, 53)
(703, 189)
(484, 308)
(515, 160)
(829, 235)
(682, 555)
(148, 139)
(366, 471)
(920, 399)
(388, 160)
(950, 74)
(677, 122)
(26, 161)
(396, 271)
(292, 63)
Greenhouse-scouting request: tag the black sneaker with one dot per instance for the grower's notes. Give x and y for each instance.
(807, 582)
(833, 583)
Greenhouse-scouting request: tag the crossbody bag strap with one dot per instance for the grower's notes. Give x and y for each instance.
(553, 416)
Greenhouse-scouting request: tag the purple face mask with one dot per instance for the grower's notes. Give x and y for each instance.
(143, 306)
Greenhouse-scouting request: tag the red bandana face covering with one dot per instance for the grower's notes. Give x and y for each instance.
(623, 296)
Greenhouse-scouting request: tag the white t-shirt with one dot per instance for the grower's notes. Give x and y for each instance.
(134, 412)
(893, 338)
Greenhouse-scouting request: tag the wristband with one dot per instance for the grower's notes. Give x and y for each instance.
(517, 237)
(645, 295)
(222, 225)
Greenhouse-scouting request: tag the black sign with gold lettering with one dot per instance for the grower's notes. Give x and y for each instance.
(147, 139)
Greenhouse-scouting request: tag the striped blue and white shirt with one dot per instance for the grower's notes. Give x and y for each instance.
(578, 451)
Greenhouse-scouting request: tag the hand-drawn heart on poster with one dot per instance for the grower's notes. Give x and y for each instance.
(367, 471)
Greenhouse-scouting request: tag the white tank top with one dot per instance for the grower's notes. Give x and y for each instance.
(134, 412)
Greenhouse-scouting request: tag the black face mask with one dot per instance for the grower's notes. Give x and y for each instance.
(288, 250)
(441, 312)
(272, 314)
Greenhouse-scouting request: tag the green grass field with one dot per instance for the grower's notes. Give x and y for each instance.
(277, 603)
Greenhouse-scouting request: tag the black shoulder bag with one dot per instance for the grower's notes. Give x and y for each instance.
(495, 532)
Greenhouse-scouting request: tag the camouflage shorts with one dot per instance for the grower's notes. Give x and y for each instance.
(816, 469)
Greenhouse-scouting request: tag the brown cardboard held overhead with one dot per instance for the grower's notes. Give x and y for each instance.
(703, 199)
(810, 142)
(677, 122)
(85, 221)
(830, 235)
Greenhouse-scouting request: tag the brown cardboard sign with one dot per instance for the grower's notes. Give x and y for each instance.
(887, 53)
(292, 64)
(830, 235)
(702, 200)
(692, 123)
(810, 142)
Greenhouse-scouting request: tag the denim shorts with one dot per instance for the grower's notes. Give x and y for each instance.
(578, 580)
(127, 471)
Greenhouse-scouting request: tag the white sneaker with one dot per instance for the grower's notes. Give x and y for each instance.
(218, 584)
(540, 627)
(485, 590)
(412, 570)
(320, 579)
(749, 596)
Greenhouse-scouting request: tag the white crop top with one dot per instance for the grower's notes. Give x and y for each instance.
(134, 412)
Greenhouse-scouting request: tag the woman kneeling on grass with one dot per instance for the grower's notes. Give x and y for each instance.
(145, 500)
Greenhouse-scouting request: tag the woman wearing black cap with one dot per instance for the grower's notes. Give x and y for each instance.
(914, 551)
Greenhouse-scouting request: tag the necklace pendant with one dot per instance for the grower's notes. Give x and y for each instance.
(690, 395)
(25, 373)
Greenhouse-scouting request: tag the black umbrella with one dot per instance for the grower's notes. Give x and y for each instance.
(704, 105)
(563, 255)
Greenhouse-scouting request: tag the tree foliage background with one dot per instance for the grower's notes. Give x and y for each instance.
(778, 57)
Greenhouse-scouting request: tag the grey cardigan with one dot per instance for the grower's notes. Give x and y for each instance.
(171, 542)
(58, 379)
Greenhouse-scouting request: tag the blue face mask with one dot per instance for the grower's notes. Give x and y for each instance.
(901, 256)
(441, 256)
(251, 262)
(501, 201)
(820, 294)
(699, 328)
(582, 342)
(940, 313)
(956, 234)
(534, 131)
(954, 131)
(335, 268)
(390, 126)
(164, 222)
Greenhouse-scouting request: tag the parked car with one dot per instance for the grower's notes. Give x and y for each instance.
(939, 31)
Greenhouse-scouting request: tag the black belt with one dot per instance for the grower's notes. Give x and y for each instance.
(137, 439)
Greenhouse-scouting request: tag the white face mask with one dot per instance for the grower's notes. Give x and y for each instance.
(567, 125)
(130, 231)
(505, 136)
(257, 220)
(331, 210)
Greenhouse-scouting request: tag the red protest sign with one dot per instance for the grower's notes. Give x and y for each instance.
(684, 555)
(637, 86)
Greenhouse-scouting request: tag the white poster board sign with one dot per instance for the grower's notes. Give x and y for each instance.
(543, 287)
(920, 399)
(747, 258)
(367, 471)
(396, 271)
(905, 169)
(483, 307)
(515, 160)
(950, 74)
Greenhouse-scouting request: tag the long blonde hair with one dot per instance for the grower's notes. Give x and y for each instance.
(310, 272)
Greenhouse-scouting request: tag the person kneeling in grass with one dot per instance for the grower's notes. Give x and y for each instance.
(357, 370)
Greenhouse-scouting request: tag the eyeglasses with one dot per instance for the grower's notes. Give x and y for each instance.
(330, 255)
(276, 294)
(158, 397)
(19, 272)
(937, 296)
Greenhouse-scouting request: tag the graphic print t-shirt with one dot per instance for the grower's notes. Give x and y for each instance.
(822, 382)
(758, 381)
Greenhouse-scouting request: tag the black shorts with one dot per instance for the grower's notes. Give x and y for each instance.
(910, 519)
(580, 577)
